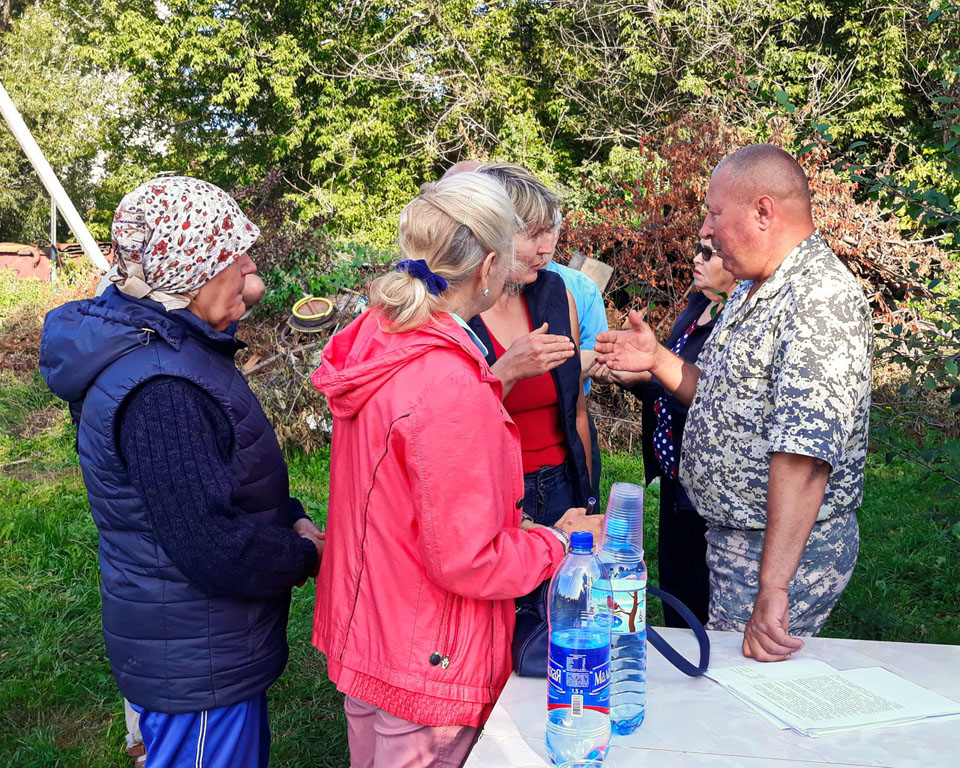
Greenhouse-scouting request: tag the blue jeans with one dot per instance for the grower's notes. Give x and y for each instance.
(547, 494)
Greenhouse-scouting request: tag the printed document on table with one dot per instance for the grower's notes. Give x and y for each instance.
(815, 699)
(736, 679)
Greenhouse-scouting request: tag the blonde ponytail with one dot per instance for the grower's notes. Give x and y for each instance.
(451, 225)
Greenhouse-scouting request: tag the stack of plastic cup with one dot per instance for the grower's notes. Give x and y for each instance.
(624, 519)
(621, 553)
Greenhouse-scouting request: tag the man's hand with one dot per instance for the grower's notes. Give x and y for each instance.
(765, 637)
(794, 496)
(636, 349)
(532, 354)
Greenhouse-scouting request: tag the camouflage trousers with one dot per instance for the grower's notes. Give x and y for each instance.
(733, 557)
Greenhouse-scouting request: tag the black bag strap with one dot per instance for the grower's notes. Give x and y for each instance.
(668, 651)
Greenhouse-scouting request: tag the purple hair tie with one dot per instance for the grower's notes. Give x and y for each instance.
(419, 269)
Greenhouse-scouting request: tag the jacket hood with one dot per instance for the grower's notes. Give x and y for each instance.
(82, 338)
(363, 357)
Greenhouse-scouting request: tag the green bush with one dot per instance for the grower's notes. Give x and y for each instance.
(324, 271)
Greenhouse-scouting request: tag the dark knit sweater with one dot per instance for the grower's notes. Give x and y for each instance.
(176, 441)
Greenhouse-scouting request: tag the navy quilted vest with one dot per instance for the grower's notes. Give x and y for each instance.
(547, 302)
(173, 647)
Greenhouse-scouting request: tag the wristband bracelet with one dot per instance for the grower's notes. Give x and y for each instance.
(562, 536)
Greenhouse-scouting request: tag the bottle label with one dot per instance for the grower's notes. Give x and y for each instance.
(629, 605)
(579, 679)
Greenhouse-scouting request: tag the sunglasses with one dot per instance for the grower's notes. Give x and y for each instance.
(705, 251)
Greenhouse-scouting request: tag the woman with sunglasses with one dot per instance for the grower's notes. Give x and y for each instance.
(681, 549)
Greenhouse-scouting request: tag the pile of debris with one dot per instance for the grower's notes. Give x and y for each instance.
(34, 262)
(281, 354)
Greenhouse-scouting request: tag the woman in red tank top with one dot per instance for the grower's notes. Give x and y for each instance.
(533, 404)
(526, 355)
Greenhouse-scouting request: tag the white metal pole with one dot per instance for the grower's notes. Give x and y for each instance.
(53, 239)
(50, 181)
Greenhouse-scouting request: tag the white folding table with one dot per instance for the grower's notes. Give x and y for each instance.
(693, 722)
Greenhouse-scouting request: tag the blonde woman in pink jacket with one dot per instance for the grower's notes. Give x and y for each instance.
(425, 547)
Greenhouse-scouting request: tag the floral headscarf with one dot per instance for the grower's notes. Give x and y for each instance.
(173, 234)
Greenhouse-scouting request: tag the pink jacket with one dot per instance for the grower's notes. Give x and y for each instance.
(424, 551)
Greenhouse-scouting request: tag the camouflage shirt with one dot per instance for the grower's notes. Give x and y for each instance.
(787, 371)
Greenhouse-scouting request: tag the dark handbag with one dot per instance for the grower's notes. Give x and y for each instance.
(531, 638)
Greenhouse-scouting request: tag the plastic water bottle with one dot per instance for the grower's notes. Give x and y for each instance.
(578, 669)
(621, 552)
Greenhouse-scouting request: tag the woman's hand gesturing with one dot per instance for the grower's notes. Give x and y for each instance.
(532, 354)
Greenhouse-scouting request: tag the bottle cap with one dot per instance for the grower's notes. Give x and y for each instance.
(581, 541)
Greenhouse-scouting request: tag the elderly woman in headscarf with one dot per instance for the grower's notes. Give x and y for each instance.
(200, 540)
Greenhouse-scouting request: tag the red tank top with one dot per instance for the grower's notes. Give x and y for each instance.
(534, 407)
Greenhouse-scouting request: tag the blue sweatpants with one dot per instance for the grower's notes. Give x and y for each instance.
(237, 736)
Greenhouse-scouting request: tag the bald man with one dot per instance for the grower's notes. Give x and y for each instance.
(461, 167)
(776, 437)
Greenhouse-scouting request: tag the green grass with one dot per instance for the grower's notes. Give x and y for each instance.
(907, 583)
(22, 296)
(58, 702)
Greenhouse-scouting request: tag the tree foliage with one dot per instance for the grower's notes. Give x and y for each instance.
(913, 176)
(358, 102)
(64, 103)
(326, 116)
(643, 209)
